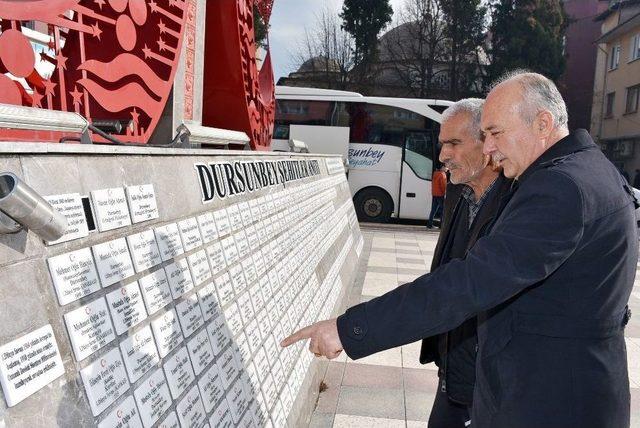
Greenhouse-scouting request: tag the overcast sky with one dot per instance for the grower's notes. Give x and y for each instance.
(288, 22)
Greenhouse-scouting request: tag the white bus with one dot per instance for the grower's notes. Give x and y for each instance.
(390, 144)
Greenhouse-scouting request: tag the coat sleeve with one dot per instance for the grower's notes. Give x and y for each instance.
(538, 230)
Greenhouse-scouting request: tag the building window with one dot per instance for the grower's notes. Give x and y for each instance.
(614, 59)
(611, 98)
(441, 80)
(632, 99)
(634, 52)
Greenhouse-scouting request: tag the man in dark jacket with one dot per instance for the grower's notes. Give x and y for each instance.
(549, 283)
(472, 201)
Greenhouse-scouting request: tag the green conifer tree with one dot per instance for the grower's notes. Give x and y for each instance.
(528, 34)
(364, 20)
(464, 23)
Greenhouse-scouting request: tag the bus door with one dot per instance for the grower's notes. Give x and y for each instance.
(417, 169)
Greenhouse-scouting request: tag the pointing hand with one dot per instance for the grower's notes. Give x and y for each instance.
(325, 340)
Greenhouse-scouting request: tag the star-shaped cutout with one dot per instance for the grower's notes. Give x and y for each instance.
(49, 87)
(61, 60)
(153, 6)
(174, 3)
(96, 30)
(146, 51)
(161, 44)
(135, 116)
(52, 44)
(36, 99)
(77, 96)
(100, 3)
(162, 27)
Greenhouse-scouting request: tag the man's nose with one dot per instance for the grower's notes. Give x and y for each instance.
(445, 154)
(489, 146)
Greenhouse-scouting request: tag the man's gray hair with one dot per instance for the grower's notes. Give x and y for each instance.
(538, 94)
(470, 106)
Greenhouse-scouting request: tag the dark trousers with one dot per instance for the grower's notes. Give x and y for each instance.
(437, 205)
(447, 414)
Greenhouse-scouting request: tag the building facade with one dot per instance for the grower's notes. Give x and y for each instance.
(576, 84)
(615, 118)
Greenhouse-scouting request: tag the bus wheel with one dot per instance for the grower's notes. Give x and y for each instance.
(373, 205)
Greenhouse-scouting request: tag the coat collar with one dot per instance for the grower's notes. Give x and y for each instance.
(486, 214)
(576, 141)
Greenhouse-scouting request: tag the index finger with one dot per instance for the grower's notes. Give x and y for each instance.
(303, 333)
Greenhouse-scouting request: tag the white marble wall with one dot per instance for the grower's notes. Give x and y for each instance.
(304, 244)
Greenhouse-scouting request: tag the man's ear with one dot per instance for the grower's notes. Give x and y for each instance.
(544, 124)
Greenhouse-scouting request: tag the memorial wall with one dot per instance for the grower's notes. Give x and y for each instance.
(179, 274)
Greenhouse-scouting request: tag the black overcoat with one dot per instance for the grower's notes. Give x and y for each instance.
(549, 283)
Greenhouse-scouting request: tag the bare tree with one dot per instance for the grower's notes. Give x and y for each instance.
(325, 56)
(415, 49)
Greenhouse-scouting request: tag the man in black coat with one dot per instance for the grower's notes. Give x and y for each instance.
(472, 200)
(549, 283)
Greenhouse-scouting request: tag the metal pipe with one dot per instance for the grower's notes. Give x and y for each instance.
(27, 207)
(604, 91)
(7, 225)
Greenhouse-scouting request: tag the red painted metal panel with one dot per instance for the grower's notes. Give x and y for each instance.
(114, 59)
(236, 94)
(117, 59)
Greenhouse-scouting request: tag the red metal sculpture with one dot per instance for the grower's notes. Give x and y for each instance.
(236, 93)
(117, 59)
(114, 59)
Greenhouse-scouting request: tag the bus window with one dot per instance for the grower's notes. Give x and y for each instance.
(378, 124)
(300, 112)
(360, 123)
(418, 153)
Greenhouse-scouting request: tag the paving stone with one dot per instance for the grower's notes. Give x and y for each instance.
(408, 248)
(419, 404)
(351, 421)
(635, 407)
(390, 357)
(380, 269)
(376, 402)
(420, 380)
(321, 420)
(412, 251)
(419, 260)
(404, 278)
(413, 266)
(372, 376)
(328, 399)
(406, 241)
(383, 250)
(416, 272)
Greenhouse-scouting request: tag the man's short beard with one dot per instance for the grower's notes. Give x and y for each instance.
(469, 177)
